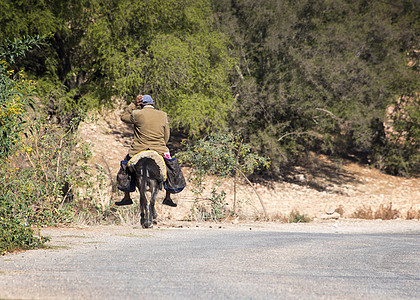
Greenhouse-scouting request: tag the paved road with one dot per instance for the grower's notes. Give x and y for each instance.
(288, 261)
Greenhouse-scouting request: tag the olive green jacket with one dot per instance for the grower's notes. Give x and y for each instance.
(151, 129)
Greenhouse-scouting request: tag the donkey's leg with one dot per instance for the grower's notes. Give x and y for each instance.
(146, 217)
(153, 192)
(143, 210)
(142, 201)
(147, 223)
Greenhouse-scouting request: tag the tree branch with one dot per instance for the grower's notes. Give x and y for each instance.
(255, 191)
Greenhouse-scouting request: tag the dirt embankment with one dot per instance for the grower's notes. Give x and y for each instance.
(330, 189)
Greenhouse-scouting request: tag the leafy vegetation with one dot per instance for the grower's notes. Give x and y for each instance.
(14, 92)
(107, 49)
(289, 76)
(223, 154)
(297, 217)
(40, 162)
(321, 75)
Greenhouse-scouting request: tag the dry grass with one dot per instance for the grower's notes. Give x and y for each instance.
(363, 213)
(340, 210)
(384, 212)
(413, 214)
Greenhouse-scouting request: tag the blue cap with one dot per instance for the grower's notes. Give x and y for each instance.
(147, 100)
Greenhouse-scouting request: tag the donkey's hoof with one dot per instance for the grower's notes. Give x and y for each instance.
(147, 225)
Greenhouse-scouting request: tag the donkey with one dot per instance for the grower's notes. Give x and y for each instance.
(148, 179)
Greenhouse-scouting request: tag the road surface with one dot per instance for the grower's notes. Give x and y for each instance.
(333, 260)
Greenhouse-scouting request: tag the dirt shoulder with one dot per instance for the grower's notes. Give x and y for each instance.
(76, 237)
(340, 226)
(73, 237)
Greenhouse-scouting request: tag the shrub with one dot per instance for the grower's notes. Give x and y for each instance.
(212, 208)
(14, 231)
(297, 217)
(384, 212)
(13, 100)
(14, 97)
(222, 154)
(49, 165)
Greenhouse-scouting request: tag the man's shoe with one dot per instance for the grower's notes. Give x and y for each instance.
(124, 202)
(169, 202)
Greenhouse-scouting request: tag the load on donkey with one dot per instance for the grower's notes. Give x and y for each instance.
(148, 164)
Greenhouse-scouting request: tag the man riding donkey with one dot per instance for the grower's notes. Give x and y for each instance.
(151, 132)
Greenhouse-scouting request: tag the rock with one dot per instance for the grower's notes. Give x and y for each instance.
(334, 215)
(330, 211)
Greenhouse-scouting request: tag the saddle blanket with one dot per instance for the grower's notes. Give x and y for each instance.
(149, 154)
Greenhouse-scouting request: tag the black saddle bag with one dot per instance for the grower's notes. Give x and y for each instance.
(125, 179)
(175, 181)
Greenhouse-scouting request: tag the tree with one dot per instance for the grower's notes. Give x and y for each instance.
(314, 75)
(114, 48)
(168, 49)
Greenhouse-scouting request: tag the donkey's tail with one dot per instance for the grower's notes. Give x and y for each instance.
(144, 186)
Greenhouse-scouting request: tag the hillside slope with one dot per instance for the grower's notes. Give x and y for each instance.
(318, 190)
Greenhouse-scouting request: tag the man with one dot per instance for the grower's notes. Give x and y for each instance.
(151, 132)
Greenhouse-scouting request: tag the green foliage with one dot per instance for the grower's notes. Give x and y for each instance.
(291, 76)
(38, 182)
(16, 211)
(60, 68)
(9, 51)
(224, 155)
(14, 92)
(38, 172)
(212, 209)
(13, 234)
(397, 146)
(26, 18)
(297, 217)
(43, 174)
(165, 48)
(13, 99)
(189, 77)
(315, 75)
(103, 49)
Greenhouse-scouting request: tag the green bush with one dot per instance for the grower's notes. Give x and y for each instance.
(13, 99)
(40, 163)
(37, 182)
(15, 232)
(397, 151)
(14, 91)
(222, 154)
(297, 217)
(316, 75)
(15, 236)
